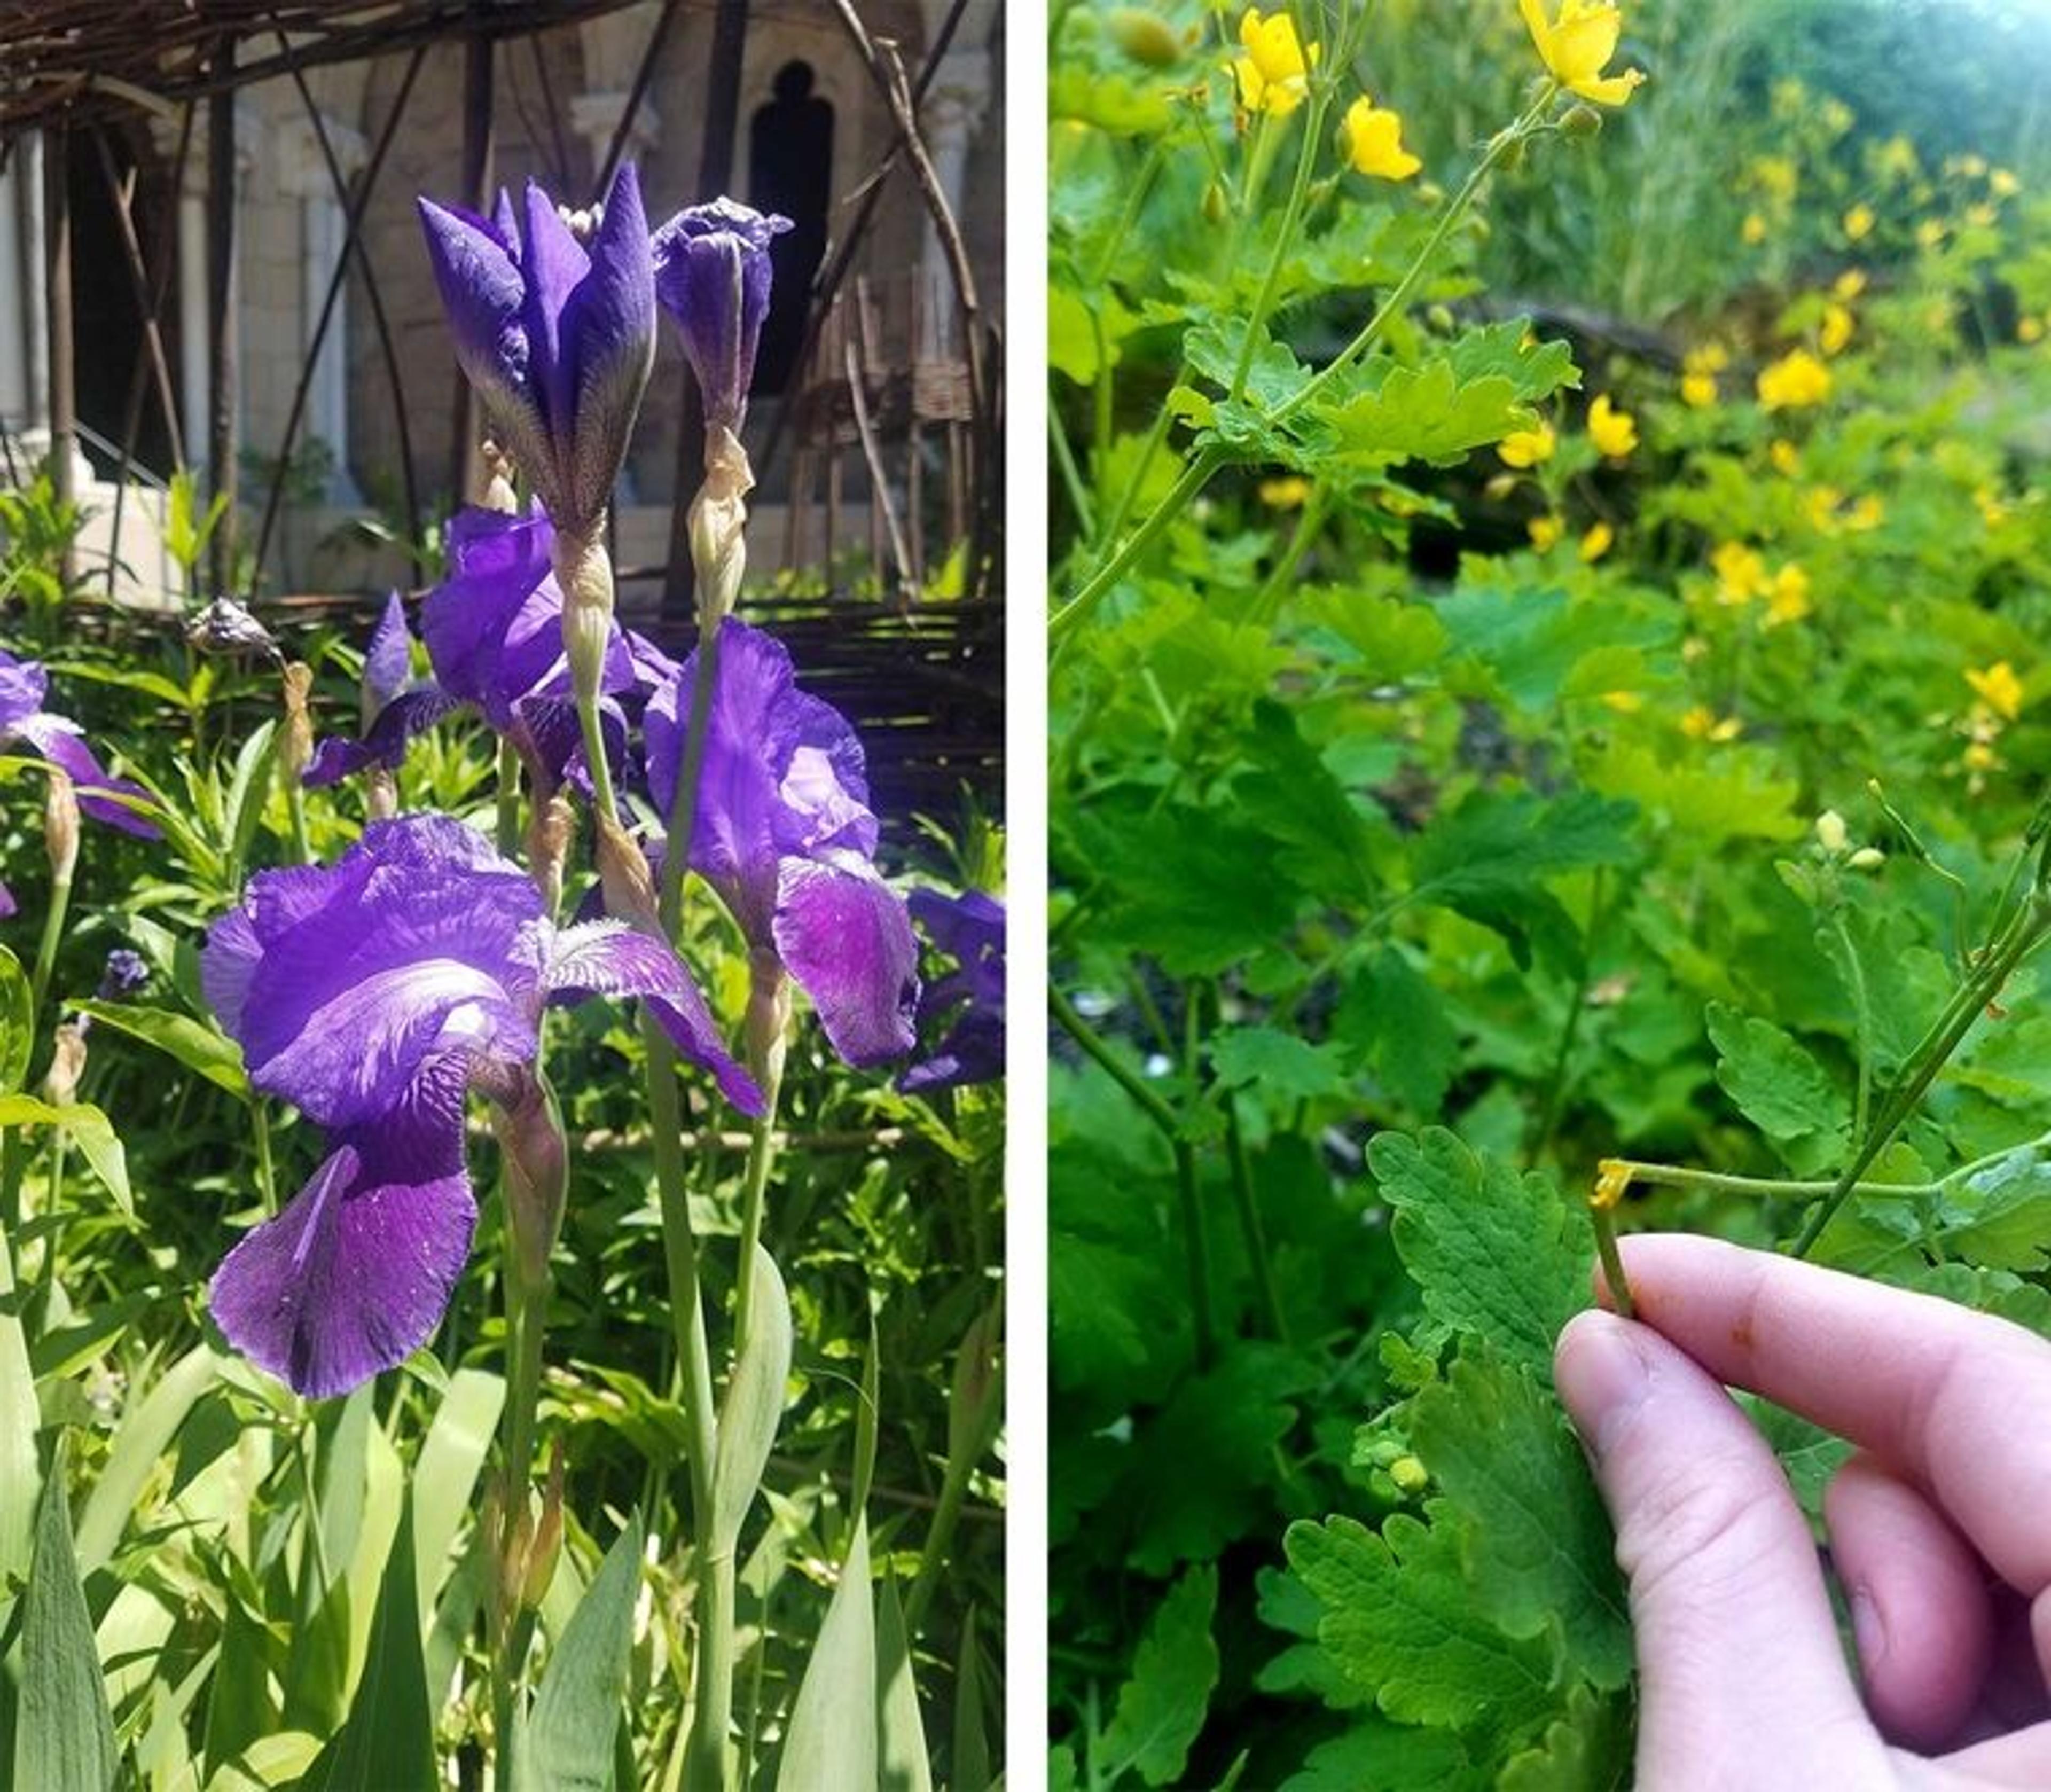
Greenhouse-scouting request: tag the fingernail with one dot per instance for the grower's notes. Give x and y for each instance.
(1867, 1629)
(1603, 1377)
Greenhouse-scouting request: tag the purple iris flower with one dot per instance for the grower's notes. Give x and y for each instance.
(783, 832)
(23, 683)
(126, 973)
(394, 707)
(712, 275)
(372, 994)
(969, 928)
(558, 338)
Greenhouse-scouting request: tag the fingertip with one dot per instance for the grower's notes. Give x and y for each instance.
(1600, 1370)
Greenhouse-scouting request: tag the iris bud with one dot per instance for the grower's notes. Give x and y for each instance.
(60, 825)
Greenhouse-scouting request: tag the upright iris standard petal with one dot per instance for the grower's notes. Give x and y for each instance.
(372, 994)
(387, 662)
(713, 275)
(784, 832)
(392, 710)
(24, 685)
(557, 338)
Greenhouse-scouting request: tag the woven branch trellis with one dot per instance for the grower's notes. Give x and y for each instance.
(73, 61)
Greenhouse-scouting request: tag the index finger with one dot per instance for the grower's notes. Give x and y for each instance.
(1955, 1399)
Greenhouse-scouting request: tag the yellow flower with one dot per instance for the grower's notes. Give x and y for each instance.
(1577, 45)
(1286, 491)
(1838, 117)
(1274, 74)
(1794, 382)
(2003, 184)
(1614, 432)
(1849, 285)
(1373, 141)
(1980, 757)
(1740, 574)
(1859, 222)
(1786, 458)
(1775, 176)
(1698, 389)
(1993, 512)
(1836, 328)
(1706, 358)
(1788, 599)
(2028, 329)
(1868, 513)
(1998, 687)
(1754, 228)
(1897, 157)
(1527, 448)
(1980, 215)
(1624, 703)
(1597, 542)
(1702, 724)
(1612, 1179)
(1971, 166)
(1930, 232)
(1545, 532)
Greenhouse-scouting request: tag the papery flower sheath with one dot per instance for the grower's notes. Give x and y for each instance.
(713, 275)
(24, 685)
(557, 338)
(372, 994)
(784, 832)
(969, 929)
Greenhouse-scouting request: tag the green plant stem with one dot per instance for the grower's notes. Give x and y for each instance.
(1392, 306)
(1292, 211)
(46, 946)
(1273, 1319)
(1072, 475)
(1267, 600)
(946, 1512)
(1197, 1235)
(602, 800)
(507, 831)
(705, 1752)
(1862, 1016)
(1135, 480)
(2024, 931)
(1555, 1081)
(1604, 1222)
(267, 1178)
(1195, 476)
(526, 1322)
(295, 809)
(761, 1161)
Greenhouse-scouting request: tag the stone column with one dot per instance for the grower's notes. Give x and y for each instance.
(17, 389)
(955, 106)
(303, 172)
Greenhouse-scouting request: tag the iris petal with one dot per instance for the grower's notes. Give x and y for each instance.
(844, 935)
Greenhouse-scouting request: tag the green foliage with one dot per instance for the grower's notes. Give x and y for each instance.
(1437, 816)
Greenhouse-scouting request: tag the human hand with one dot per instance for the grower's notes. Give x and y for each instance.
(1939, 1525)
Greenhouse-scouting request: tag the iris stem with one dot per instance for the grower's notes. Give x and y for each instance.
(705, 1765)
(508, 829)
(46, 947)
(761, 1160)
(526, 1322)
(947, 1512)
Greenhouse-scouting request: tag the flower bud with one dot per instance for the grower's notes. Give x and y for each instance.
(1409, 1474)
(584, 569)
(530, 1137)
(1830, 832)
(381, 794)
(978, 1392)
(60, 825)
(624, 875)
(66, 1068)
(1581, 121)
(295, 749)
(1217, 208)
(1867, 858)
(1144, 36)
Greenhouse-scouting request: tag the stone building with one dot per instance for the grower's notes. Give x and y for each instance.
(812, 129)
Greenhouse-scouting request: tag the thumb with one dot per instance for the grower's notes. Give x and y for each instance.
(1742, 1680)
